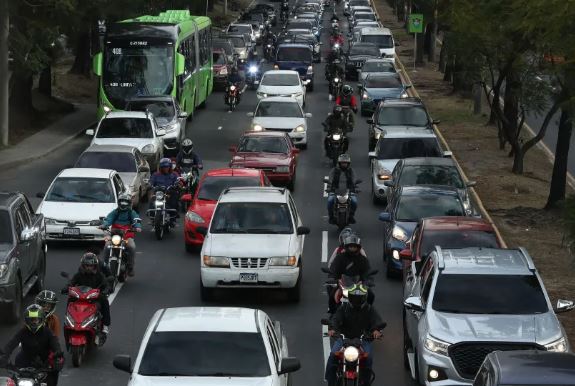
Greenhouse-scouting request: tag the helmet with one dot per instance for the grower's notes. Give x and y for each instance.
(352, 241)
(47, 300)
(124, 201)
(345, 232)
(34, 317)
(187, 146)
(347, 90)
(344, 159)
(165, 163)
(357, 296)
(337, 110)
(89, 263)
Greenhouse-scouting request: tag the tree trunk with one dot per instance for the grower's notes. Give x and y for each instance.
(559, 176)
(4, 74)
(45, 81)
(433, 45)
(511, 115)
(419, 52)
(82, 62)
(443, 54)
(448, 74)
(21, 93)
(427, 38)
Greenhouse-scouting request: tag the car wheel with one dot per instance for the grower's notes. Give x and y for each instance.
(41, 272)
(206, 294)
(295, 292)
(291, 184)
(406, 345)
(191, 248)
(13, 312)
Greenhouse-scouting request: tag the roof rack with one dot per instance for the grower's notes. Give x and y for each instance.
(440, 258)
(528, 259)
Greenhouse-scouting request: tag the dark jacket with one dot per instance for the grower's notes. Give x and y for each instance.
(346, 264)
(165, 180)
(335, 177)
(92, 280)
(36, 346)
(355, 322)
(188, 160)
(333, 123)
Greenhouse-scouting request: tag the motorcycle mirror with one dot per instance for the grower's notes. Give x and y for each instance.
(325, 270)
(326, 180)
(325, 322)
(64, 274)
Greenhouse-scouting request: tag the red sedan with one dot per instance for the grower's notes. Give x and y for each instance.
(206, 197)
(270, 151)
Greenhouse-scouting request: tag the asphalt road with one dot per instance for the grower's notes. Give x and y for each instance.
(167, 276)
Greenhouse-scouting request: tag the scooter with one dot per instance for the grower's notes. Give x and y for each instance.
(232, 96)
(342, 207)
(160, 213)
(116, 258)
(26, 376)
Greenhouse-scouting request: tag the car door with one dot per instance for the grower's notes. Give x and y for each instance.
(282, 380)
(157, 140)
(299, 239)
(143, 170)
(24, 248)
(118, 185)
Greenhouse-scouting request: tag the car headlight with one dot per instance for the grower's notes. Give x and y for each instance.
(116, 240)
(3, 270)
(258, 128)
(300, 129)
(194, 217)
(216, 261)
(283, 261)
(404, 95)
(560, 345)
(282, 169)
(351, 354)
(253, 69)
(310, 70)
(383, 174)
(149, 148)
(49, 221)
(436, 346)
(172, 127)
(25, 382)
(336, 137)
(365, 95)
(399, 234)
(297, 94)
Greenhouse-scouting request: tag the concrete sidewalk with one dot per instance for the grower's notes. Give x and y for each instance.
(51, 138)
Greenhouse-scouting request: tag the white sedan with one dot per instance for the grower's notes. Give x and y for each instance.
(76, 200)
(282, 114)
(282, 83)
(208, 346)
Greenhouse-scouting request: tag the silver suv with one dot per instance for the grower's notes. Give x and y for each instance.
(468, 302)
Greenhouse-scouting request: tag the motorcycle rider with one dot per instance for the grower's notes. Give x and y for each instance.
(47, 300)
(89, 275)
(343, 168)
(39, 347)
(332, 123)
(336, 37)
(354, 319)
(187, 158)
(340, 248)
(347, 99)
(165, 177)
(284, 12)
(124, 217)
(234, 79)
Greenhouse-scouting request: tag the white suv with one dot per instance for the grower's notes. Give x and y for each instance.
(255, 240)
(210, 346)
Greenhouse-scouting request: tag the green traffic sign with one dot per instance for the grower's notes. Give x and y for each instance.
(416, 23)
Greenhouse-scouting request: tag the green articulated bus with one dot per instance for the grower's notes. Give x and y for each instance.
(167, 54)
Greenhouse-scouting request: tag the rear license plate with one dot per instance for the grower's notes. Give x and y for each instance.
(248, 277)
(71, 231)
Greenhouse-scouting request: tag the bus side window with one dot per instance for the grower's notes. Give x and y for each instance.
(203, 47)
(192, 57)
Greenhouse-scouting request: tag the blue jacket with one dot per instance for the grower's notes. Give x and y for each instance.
(165, 180)
(122, 217)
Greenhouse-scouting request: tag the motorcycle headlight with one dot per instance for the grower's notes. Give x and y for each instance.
(194, 217)
(49, 221)
(282, 169)
(399, 234)
(365, 95)
(300, 129)
(310, 69)
(216, 261)
(283, 261)
(560, 345)
(149, 148)
(26, 382)
(69, 321)
(336, 137)
(3, 270)
(404, 95)
(258, 128)
(116, 240)
(159, 204)
(351, 354)
(232, 87)
(269, 46)
(336, 80)
(89, 321)
(436, 346)
(253, 69)
(336, 45)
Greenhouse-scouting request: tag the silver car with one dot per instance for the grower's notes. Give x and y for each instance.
(466, 303)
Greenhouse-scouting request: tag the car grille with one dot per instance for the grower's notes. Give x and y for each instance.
(170, 142)
(282, 129)
(468, 357)
(249, 262)
(72, 223)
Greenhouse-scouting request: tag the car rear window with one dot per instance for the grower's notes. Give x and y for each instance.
(125, 128)
(430, 175)
(402, 116)
(294, 54)
(455, 239)
(363, 50)
(382, 41)
(489, 294)
(212, 186)
(205, 354)
(398, 148)
(5, 228)
(118, 161)
(160, 109)
(415, 207)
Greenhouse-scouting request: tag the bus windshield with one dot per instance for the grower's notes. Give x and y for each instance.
(137, 68)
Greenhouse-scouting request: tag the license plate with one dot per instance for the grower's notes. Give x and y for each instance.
(71, 231)
(248, 277)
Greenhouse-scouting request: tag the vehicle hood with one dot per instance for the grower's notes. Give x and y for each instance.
(392, 128)
(204, 208)
(250, 245)
(407, 226)
(164, 121)
(300, 67)
(260, 159)
(541, 328)
(379, 93)
(75, 211)
(357, 58)
(279, 122)
(280, 90)
(134, 142)
(138, 380)
(128, 178)
(5, 251)
(388, 164)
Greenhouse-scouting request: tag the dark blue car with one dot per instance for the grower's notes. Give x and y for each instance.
(297, 57)
(405, 208)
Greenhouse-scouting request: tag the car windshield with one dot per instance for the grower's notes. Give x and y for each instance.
(137, 68)
(78, 189)
(125, 128)
(5, 228)
(280, 80)
(242, 29)
(252, 217)
(402, 116)
(218, 58)
(363, 50)
(294, 54)
(378, 67)
(382, 41)
(237, 41)
(430, 175)
(383, 82)
(279, 109)
(256, 144)
(364, 16)
(212, 186)
(224, 45)
(205, 354)
(455, 239)
(160, 109)
(299, 25)
(398, 148)
(118, 161)
(489, 294)
(413, 207)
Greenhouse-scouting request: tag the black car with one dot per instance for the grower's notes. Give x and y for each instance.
(528, 367)
(356, 56)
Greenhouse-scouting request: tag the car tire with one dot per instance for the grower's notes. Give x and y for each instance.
(12, 313)
(206, 294)
(291, 184)
(294, 293)
(191, 248)
(406, 345)
(41, 272)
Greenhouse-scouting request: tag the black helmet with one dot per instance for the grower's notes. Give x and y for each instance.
(124, 201)
(343, 234)
(187, 146)
(343, 159)
(357, 296)
(347, 90)
(34, 317)
(350, 241)
(47, 300)
(89, 263)
(337, 109)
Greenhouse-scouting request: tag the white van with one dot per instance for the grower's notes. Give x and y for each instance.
(382, 37)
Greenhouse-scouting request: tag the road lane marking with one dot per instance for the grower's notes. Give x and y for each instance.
(326, 345)
(324, 246)
(112, 297)
(219, 127)
(325, 187)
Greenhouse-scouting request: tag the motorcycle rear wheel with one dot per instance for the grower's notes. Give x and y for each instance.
(77, 355)
(341, 220)
(158, 227)
(113, 271)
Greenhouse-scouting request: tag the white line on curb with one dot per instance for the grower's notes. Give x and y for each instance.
(326, 345)
(112, 297)
(219, 127)
(324, 246)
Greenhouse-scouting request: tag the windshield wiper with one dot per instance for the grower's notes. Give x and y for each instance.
(220, 374)
(229, 230)
(165, 374)
(262, 230)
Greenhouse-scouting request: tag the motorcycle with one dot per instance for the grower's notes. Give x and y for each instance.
(160, 213)
(335, 86)
(253, 74)
(269, 51)
(115, 256)
(342, 207)
(83, 321)
(232, 96)
(339, 289)
(189, 178)
(337, 144)
(28, 376)
(284, 15)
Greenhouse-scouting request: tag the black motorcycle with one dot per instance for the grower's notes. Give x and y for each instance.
(232, 97)
(342, 206)
(162, 216)
(335, 86)
(253, 74)
(336, 144)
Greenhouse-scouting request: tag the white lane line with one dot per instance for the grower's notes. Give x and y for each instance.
(219, 127)
(112, 297)
(325, 187)
(326, 345)
(324, 246)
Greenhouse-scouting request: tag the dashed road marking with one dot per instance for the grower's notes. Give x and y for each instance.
(324, 246)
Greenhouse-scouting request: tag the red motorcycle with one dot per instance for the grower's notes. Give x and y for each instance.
(83, 322)
(232, 97)
(115, 258)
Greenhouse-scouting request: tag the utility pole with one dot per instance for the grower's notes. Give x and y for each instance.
(4, 75)
(225, 7)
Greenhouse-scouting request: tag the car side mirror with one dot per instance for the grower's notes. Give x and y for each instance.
(371, 155)
(436, 121)
(302, 231)
(289, 365)
(186, 197)
(40, 194)
(389, 183)
(143, 169)
(326, 180)
(295, 150)
(250, 114)
(447, 154)
(90, 132)
(384, 216)
(233, 149)
(308, 115)
(27, 234)
(123, 362)
(406, 254)
(564, 306)
(369, 121)
(413, 303)
(202, 230)
(397, 44)
(183, 114)
(160, 132)
(471, 184)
